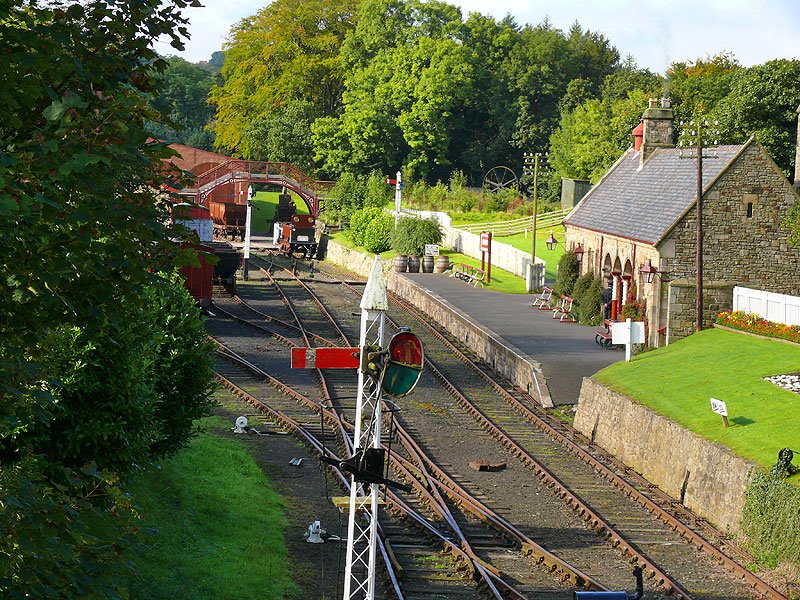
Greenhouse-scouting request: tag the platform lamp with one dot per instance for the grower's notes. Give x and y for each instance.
(551, 242)
(578, 251)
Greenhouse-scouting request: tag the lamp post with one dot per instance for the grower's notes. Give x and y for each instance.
(696, 136)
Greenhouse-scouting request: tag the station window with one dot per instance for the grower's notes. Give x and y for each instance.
(749, 210)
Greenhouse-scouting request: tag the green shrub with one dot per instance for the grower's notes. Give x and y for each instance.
(587, 294)
(360, 220)
(499, 201)
(378, 232)
(437, 197)
(142, 392)
(377, 192)
(458, 180)
(412, 233)
(771, 520)
(567, 274)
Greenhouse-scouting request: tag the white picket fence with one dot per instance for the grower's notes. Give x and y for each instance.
(779, 308)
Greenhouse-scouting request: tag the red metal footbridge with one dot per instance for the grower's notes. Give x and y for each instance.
(284, 174)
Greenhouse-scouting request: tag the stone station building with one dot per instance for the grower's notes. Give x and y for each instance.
(643, 212)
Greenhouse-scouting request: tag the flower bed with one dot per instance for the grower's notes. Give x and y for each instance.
(753, 323)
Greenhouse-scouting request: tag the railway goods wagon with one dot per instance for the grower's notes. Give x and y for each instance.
(298, 237)
(229, 219)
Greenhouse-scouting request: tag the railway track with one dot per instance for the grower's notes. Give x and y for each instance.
(562, 460)
(412, 547)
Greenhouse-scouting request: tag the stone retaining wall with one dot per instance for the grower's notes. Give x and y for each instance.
(512, 363)
(707, 478)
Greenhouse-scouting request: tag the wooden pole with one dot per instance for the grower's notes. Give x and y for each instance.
(699, 227)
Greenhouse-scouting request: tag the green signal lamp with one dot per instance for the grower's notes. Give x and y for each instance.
(404, 364)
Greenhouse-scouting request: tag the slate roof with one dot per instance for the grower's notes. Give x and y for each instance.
(644, 204)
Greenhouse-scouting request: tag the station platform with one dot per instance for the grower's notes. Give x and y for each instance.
(567, 351)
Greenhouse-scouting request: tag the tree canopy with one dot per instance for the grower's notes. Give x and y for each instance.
(415, 85)
(96, 329)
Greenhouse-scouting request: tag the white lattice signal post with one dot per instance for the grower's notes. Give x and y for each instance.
(362, 527)
(396, 370)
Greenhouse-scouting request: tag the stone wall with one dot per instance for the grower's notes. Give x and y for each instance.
(682, 304)
(708, 479)
(751, 251)
(512, 363)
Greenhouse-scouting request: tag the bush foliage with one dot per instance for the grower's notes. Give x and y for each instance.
(378, 234)
(587, 293)
(567, 274)
(771, 520)
(412, 234)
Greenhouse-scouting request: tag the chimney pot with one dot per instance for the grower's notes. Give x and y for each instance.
(652, 103)
(665, 103)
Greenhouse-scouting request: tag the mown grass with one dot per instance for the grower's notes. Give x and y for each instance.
(523, 242)
(219, 526)
(264, 205)
(679, 380)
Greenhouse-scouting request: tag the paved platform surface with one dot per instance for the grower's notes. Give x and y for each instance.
(566, 351)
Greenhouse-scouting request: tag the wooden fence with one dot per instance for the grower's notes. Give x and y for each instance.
(779, 308)
(521, 225)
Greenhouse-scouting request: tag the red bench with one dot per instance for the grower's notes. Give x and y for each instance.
(564, 310)
(542, 302)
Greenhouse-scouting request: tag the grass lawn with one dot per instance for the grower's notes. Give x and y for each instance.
(220, 526)
(551, 257)
(502, 281)
(679, 380)
(264, 205)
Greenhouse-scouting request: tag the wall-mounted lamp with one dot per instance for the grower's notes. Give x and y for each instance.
(649, 272)
(578, 252)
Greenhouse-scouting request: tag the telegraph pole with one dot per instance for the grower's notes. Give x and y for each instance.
(702, 128)
(531, 163)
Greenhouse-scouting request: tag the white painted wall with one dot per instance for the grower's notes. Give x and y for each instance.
(779, 308)
(504, 256)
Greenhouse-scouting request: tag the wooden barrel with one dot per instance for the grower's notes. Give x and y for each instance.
(442, 263)
(413, 264)
(400, 263)
(427, 263)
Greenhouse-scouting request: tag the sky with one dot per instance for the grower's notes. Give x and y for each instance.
(655, 33)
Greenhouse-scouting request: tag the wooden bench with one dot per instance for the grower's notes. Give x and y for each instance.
(542, 302)
(469, 274)
(564, 310)
(603, 338)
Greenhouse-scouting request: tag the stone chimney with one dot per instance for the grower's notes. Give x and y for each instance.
(657, 131)
(797, 154)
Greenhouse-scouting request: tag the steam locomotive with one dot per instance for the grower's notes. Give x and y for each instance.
(298, 237)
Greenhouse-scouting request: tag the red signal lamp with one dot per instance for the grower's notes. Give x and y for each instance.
(404, 365)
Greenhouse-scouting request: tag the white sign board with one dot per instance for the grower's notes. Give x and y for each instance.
(627, 333)
(432, 249)
(718, 406)
(485, 241)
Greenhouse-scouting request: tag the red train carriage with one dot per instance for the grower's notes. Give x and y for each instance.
(229, 219)
(298, 237)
